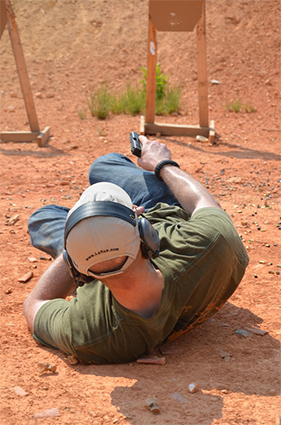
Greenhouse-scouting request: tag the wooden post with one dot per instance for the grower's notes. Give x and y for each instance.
(177, 15)
(21, 66)
(202, 70)
(151, 73)
(3, 17)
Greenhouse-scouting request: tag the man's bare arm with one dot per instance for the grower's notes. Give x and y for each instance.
(188, 191)
(56, 282)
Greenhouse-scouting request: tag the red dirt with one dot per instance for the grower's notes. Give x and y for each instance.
(70, 48)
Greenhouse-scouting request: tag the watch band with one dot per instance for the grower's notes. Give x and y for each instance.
(162, 164)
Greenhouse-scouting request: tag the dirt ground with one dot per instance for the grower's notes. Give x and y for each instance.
(70, 48)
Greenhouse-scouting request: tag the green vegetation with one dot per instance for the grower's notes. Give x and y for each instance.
(161, 81)
(99, 103)
(132, 100)
(82, 114)
(237, 105)
(135, 100)
(170, 103)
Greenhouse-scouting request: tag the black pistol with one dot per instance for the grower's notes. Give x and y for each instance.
(136, 145)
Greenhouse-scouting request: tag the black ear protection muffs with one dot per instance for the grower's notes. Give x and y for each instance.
(149, 236)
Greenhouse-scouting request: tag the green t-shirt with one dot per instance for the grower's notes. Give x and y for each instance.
(202, 260)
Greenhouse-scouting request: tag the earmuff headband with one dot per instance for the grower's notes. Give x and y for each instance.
(99, 208)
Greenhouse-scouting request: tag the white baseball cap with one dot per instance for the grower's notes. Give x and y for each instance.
(94, 239)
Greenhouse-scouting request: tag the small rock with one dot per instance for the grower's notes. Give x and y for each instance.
(47, 413)
(257, 331)
(26, 277)
(224, 354)
(152, 405)
(193, 388)
(39, 95)
(72, 360)
(215, 82)
(13, 220)
(32, 259)
(234, 180)
(19, 391)
(242, 333)
(50, 95)
(178, 397)
(202, 138)
(46, 367)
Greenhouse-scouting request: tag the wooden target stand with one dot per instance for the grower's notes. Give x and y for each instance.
(7, 17)
(177, 15)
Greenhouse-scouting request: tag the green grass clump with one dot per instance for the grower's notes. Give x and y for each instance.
(100, 102)
(132, 100)
(170, 103)
(119, 104)
(237, 105)
(82, 114)
(135, 100)
(161, 82)
(234, 106)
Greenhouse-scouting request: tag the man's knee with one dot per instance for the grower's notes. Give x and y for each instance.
(101, 166)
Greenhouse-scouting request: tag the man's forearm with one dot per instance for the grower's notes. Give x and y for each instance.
(56, 282)
(188, 191)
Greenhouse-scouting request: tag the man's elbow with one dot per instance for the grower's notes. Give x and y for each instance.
(28, 317)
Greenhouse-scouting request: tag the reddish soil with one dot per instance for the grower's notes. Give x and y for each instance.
(71, 47)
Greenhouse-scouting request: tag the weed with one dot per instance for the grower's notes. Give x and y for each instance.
(173, 100)
(249, 108)
(161, 81)
(170, 103)
(119, 104)
(234, 106)
(237, 105)
(99, 103)
(135, 99)
(101, 132)
(82, 114)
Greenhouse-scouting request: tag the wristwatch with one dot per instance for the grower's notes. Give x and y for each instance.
(162, 164)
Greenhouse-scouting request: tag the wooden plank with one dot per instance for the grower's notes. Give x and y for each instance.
(43, 137)
(19, 136)
(21, 67)
(3, 17)
(151, 73)
(176, 130)
(202, 70)
(212, 132)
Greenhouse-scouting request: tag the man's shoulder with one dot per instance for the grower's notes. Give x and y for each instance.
(163, 211)
(172, 213)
